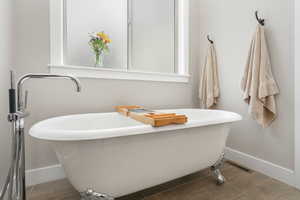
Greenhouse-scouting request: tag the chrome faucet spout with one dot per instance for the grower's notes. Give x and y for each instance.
(20, 104)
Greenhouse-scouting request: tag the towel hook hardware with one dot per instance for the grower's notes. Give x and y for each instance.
(260, 21)
(209, 39)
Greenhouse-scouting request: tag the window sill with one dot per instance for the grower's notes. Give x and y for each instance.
(123, 74)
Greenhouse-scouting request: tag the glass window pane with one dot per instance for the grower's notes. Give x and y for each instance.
(152, 35)
(86, 16)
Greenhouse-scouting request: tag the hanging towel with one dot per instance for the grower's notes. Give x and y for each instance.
(258, 84)
(209, 91)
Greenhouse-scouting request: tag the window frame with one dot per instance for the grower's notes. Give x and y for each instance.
(57, 38)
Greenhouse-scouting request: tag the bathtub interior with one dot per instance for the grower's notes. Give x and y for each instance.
(94, 121)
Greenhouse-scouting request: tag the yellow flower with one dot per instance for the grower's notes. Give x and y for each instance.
(104, 37)
(101, 35)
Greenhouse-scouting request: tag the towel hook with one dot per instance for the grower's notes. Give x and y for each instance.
(260, 21)
(209, 39)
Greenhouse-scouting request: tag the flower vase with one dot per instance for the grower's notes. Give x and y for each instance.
(99, 60)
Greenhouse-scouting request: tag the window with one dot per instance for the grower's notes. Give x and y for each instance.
(149, 38)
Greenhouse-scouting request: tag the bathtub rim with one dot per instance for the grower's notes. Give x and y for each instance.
(96, 134)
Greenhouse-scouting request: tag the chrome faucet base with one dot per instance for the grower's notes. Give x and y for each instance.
(216, 170)
(91, 195)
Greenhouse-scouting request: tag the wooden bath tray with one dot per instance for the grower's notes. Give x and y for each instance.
(151, 117)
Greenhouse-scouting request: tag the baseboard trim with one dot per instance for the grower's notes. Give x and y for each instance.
(56, 172)
(270, 169)
(45, 174)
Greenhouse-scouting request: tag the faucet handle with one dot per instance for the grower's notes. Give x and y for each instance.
(26, 99)
(23, 113)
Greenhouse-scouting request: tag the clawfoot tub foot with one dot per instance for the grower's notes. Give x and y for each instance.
(216, 170)
(91, 195)
(219, 177)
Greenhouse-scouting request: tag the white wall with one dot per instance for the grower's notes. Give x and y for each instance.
(297, 92)
(5, 64)
(231, 24)
(53, 98)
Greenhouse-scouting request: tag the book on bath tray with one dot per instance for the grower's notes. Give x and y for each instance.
(151, 117)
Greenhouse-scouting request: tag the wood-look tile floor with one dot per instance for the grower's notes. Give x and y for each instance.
(240, 185)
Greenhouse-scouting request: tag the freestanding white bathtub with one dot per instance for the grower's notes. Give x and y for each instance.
(115, 155)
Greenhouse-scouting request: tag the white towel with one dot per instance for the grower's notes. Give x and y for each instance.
(258, 84)
(209, 91)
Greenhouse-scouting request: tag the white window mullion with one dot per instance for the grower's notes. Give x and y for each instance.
(57, 31)
(125, 58)
(129, 32)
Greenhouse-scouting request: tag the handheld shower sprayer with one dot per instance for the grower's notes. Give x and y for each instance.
(12, 93)
(14, 187)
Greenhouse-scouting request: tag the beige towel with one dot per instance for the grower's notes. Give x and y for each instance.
(209, 91)
(258, 84)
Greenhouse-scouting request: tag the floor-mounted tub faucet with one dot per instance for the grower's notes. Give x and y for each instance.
(15, 187)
